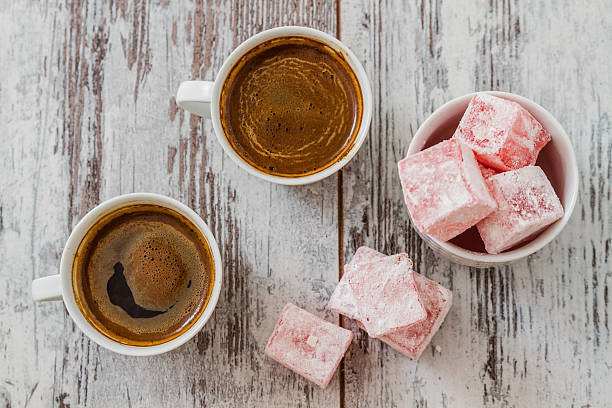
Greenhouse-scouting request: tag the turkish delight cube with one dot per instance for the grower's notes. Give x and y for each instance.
(412, 341)
(436, 300)
(444, 190)
(502, 134)
(487, 171)
(526, 204)
(386, 294)
(342, 299)
(308, 345)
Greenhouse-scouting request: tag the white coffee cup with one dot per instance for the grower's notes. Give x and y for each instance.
(60, 287)
(202, 98)
(557, 159)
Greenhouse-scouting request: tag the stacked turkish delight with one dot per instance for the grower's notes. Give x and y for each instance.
(412, 311)
(484, 176)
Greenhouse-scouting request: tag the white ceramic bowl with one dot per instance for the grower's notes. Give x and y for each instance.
(557, 159)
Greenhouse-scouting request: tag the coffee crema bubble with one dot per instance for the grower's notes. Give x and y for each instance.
(143, 275)
(291, 107)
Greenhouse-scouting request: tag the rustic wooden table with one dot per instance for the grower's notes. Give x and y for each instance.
(87, 112)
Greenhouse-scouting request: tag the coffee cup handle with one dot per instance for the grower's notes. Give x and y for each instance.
(195, 97)
(47, 288)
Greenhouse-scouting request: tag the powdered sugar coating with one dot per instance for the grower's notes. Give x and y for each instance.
(342, 300)
(444, 190)
(365, 254)
(308, 345)
(437, 301)
(527, 203)
(502, 134)
(487, 171)
(386, 294)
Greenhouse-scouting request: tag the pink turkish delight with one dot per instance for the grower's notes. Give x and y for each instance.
(502, 134)
(410, 341)
(308, 345)
(342, 300)
(386, 294)
(413, 340)
(444, 190)
(527, 203)
(486, 171)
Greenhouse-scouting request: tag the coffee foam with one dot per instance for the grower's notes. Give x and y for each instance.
(291, 107)
(168, 268)
(274, 83)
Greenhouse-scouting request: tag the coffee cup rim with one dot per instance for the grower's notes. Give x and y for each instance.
(296, 31)
(571, 182)
(68, 256)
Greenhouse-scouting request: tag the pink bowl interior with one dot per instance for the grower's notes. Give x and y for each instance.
(552, 160)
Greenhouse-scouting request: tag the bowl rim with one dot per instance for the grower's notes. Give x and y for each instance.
(480, 259)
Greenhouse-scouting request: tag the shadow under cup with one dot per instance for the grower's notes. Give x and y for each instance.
(551, 159)
(143, 274)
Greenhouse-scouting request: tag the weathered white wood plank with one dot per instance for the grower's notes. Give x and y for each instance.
(87, 113)
(536, 333)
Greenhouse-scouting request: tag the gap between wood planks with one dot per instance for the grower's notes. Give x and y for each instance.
(340, 180)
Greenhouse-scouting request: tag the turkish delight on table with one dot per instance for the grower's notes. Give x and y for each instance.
(413, 340)
(502, 134)
(527, 203)
(386, 294)
(342, 300)
(487, 171)
(308, 345)
(444, 189)
(410, 341)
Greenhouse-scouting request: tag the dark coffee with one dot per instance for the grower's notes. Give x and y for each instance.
(291, 107)
(142, 275)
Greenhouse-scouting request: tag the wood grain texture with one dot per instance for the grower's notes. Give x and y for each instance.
(535, 333)
(87, 112)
